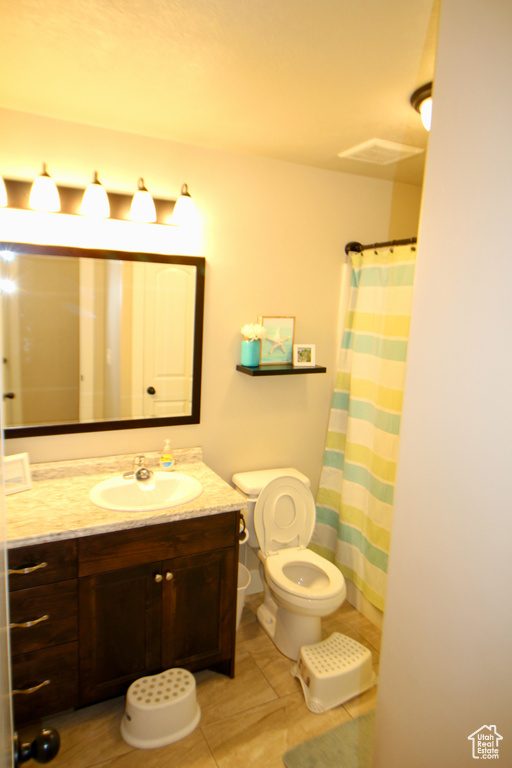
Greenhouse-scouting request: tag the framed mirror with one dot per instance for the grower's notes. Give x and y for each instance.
(98, 340)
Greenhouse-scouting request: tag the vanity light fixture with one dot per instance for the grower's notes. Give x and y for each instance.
(44, 195)
(3, 193)
(142, 207)
(185, 212)
(73, 201)
(95, 200)
(421, 100)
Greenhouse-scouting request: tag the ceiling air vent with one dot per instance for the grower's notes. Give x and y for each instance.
(380, 152)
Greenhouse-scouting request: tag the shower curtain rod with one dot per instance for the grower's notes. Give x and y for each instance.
(358, 247)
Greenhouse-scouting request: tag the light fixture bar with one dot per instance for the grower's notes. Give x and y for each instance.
(18, 194)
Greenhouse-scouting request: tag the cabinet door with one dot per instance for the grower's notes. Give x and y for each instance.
(120, 629)
(199, 603)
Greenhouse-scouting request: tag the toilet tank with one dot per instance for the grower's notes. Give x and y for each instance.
(252, 483)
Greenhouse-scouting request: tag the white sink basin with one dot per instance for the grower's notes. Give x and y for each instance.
(164, 489)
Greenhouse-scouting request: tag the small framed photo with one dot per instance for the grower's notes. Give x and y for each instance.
(277, 346)
(16, 473)
(304, 355)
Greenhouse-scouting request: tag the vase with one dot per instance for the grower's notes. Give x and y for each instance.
(250, 353)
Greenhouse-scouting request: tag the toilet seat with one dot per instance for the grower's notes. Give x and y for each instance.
(284, 515)
(314, 579)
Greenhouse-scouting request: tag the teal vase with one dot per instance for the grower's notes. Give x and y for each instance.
(250, 353)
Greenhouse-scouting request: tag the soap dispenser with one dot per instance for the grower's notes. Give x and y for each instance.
(166, 457)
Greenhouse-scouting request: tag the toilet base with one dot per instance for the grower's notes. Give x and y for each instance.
(288, 631)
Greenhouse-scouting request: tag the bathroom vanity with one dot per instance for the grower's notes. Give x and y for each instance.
(100, 598)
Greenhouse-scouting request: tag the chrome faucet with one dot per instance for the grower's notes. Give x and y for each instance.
(140, 472)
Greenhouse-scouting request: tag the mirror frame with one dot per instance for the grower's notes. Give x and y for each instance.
(100, 426)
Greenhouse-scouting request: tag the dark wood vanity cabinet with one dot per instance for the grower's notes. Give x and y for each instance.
(127, 604)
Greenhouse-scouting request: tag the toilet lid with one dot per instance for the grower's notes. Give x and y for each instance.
(284, 515)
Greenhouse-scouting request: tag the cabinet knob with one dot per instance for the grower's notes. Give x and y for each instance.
(169, 576)
(158, 577)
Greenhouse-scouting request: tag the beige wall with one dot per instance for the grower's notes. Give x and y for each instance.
(273, 236)
(446, 659)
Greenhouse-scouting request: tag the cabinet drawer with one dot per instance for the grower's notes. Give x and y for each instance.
(137, 546)
(44, 682)
(43, 616)
(41, 564)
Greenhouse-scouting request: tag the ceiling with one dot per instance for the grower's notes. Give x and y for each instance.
(295, 80)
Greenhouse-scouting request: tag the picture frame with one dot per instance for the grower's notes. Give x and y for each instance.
(277, 347)
(304, 355)
(17, 473)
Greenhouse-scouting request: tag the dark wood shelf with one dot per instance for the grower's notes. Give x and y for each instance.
(279, 370)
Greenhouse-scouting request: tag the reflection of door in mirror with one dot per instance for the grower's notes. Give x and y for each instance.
(136, 339)
(162, 363)
(40, 349)
(11, 374)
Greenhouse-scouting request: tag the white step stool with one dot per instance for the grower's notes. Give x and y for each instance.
(160, 709)
(333, 671)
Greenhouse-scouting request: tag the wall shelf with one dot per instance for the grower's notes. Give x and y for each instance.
(279, 370)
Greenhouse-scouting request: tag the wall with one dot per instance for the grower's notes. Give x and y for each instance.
(273, 237)
(446, 666)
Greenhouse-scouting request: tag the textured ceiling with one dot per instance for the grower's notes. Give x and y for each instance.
(296, 80)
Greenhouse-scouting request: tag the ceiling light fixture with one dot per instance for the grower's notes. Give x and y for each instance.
(44, 195)
(95, 200)
(184, 212)
(142, 207)
(421, 100)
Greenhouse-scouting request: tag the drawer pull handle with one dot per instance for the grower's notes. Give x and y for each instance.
(33, 689)
(26, 624)
(27, 569)
(169, 576)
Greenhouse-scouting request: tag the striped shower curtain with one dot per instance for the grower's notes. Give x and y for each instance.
(355, 497)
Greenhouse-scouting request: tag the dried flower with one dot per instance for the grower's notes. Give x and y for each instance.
(253, 332)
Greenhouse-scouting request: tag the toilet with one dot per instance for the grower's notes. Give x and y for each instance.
(300, 586)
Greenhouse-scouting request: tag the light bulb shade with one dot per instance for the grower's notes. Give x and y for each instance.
(184, 213)
(44, 195)
(421, 100)
(95, 200)
(3, 193)
(142, 207)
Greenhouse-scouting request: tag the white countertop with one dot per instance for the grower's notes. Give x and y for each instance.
(58, 507)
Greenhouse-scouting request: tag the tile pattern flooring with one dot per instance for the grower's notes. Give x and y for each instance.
(249, 721)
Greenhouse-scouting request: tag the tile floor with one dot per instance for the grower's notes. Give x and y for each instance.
(249, 721)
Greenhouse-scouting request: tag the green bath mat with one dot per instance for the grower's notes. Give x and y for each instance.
(347, 746)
